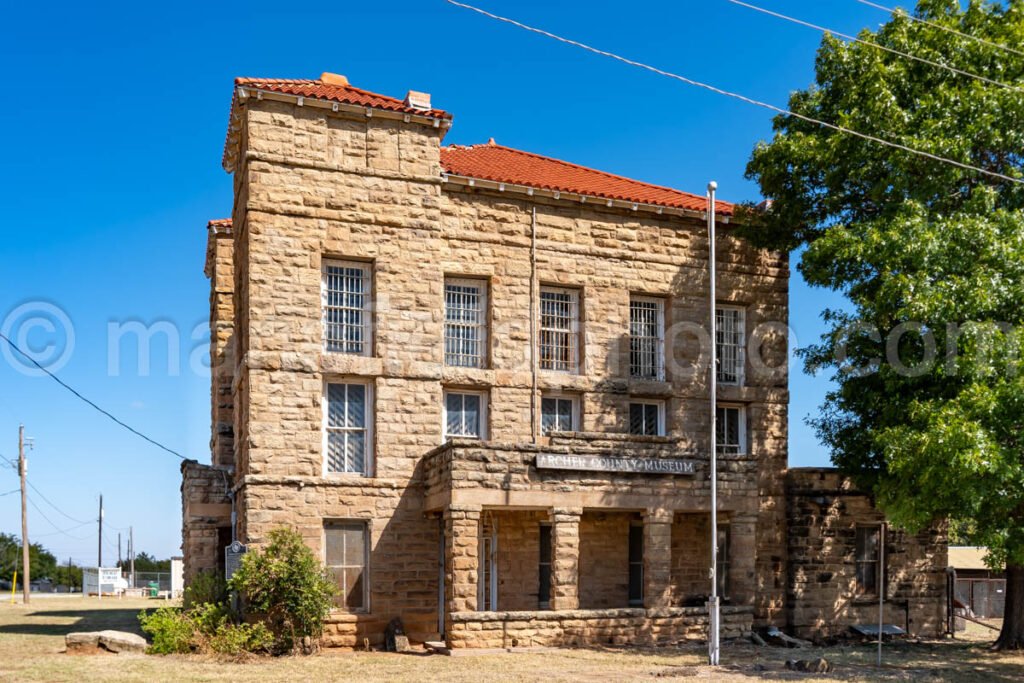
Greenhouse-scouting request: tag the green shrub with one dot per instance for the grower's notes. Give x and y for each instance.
(285, 587)
(172, 630)
(205, 587)
(236, 639)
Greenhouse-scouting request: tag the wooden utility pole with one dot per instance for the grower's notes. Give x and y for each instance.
(99, 552)
(26, 575)
(131, 555)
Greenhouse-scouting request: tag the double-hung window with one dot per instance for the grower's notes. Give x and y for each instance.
(729, 340)
(465, 323)
(731, 430)
(559, 414)
(870, 573)
(348, 420)
(647, 337)
(346, 307)
(559, 329)
(346, 555)
(647, 418)
(465, 414)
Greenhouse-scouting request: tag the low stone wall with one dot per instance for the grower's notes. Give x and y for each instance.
(206, 510)
(582, 628)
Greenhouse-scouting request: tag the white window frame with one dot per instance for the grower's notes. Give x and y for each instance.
(366, 310)
(658, 341)
(481, 324)
(369, 461)
(742, 428)
(561, 396)
(648, 402)
(367, 541)
(739, 343)
(573, 332)
(484, 400)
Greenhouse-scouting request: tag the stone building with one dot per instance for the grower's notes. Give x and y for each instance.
(474, 379)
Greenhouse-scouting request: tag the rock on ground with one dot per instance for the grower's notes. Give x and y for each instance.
(96, 642)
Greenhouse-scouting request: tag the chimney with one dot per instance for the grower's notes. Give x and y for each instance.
(333, 79)
(418, 100)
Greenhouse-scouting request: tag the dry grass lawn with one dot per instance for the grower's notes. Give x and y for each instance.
(32, 644)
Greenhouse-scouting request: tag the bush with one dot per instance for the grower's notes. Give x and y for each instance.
(206, 587)
(236, 639)
(172, 630)
(285, 587)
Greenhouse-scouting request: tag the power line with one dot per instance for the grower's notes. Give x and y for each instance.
(934, 24)
(885, 48)
(742, 98)
(9, 492)
(56, 528)
(83, 398)
(48, 502)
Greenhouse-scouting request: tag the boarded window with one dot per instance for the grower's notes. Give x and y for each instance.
(346, 557)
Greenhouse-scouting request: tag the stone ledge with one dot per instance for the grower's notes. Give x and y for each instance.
(583, 614)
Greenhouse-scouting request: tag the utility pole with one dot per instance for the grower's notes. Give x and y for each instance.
(131, 555)
(26, 575)
(118, 549)
(99, 553)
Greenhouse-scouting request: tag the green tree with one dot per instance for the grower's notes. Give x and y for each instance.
(929, 406)
(144, 562)
(42, 561)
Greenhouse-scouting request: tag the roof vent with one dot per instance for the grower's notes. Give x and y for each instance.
(333, 79)
(418, 100)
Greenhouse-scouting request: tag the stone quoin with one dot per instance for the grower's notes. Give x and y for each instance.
(470, 377)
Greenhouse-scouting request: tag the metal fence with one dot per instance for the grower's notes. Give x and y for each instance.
(146, 579)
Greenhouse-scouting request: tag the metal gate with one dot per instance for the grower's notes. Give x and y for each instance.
(986, 597)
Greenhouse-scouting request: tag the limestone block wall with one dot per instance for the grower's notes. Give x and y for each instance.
(595, 628)
(220, 269)
(604, 559)
(206, 510)
(518, 557)
(824, 510)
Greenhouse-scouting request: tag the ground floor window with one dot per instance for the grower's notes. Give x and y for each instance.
(636, 564)
(544, 585)
(346, 554)
(869, 570)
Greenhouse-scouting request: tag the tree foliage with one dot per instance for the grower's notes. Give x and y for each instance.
(929, 409)
(42, 561)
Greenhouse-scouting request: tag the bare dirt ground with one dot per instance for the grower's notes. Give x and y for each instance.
(32, 644)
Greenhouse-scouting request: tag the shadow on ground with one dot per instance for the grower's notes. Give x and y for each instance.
(39, 623)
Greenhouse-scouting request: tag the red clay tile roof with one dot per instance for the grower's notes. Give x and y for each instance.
(506, 165)
(219, 223)
(346, 94)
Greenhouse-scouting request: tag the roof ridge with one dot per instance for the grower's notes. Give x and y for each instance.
(584, 168)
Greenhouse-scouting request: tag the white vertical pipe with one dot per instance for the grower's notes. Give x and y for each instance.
(713, 610)
(880, 577)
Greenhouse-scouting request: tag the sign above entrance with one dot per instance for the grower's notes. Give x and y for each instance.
(611, 463)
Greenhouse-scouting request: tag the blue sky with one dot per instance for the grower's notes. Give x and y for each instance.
(115, 120)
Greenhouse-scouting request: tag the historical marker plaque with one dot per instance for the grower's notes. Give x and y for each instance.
(614, 463)
(233, 555)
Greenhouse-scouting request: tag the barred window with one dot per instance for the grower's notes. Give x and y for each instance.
(558, 414)
(346, 555)
(731, 430)
(347, 428)
(464, 414)
(729, 333)
(559, 329)
(647, 418)
(346, 307)
(647, 337)
(465, 323)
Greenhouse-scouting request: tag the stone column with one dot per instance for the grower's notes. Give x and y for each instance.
(565, 558)
(742, 581)
(461, 558)
(658, 558)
